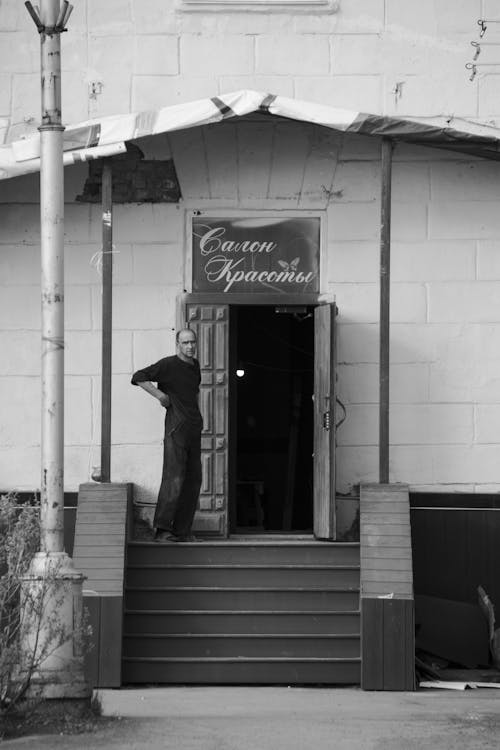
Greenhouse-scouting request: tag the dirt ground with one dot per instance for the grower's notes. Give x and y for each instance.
(52, 718)
(235, 718)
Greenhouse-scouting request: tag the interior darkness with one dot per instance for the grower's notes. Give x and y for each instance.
(273, 419)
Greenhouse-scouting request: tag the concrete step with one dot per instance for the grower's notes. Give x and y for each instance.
(243, 575)
(227, 621)
(331, 671)
(284, 610)
(236, 599)
(240, 645)
(277, 551)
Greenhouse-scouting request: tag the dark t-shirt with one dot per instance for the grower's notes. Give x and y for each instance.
(179, 379)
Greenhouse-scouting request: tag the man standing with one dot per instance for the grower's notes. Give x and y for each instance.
(178, 384)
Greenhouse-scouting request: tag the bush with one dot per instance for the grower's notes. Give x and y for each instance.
(31, 628)
(19, 541)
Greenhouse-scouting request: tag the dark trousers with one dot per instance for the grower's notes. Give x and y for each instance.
(180, 481)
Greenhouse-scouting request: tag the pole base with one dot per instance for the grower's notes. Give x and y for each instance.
(53, 633)
(51, 686)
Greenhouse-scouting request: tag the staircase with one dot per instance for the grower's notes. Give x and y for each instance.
(268, 611)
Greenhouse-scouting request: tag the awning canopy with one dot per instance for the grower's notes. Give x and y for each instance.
(103, 137)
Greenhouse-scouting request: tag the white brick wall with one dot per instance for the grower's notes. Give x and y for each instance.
(488, 260)
(148, 271)
(489, 95)
(20, 467)
(160, 18)
(433, 261)
(22, 353)
(83, 352)
(19, 52)
(5, 97)
(445, 337)
(362, 93)
(74, 54)
(298, 54)
(487, 417)
(476, 301)
(359, 383)
(156, 220)
(353, 57)
(361, 17)
(281, 85)
(147, 91)
(356, 464)
(474, 220)
(156, 55)
(149, 346)
(138, 419)
(19, 425)
(114, 16)
(216, 55)
(469, 181)
(431, 18)
(25, 104)
(445, 363)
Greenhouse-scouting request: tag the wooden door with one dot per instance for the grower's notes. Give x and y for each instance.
(211, 326)
(324, 422)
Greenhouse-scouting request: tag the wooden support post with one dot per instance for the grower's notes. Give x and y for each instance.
(385, 296)
(107, 319)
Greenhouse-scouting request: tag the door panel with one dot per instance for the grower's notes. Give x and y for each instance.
(211, 326)
(324, 422)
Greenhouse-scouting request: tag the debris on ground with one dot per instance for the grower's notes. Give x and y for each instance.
(51, 717)
(488, 610)
(453, 685)
(454, 630)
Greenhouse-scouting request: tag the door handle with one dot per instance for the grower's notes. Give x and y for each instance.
(327, 414)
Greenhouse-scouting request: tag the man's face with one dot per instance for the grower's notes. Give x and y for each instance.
(186, 345)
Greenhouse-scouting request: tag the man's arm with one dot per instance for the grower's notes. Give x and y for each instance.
(145, 376)
(150, 388)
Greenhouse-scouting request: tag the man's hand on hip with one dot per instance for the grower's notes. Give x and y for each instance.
(150, 388)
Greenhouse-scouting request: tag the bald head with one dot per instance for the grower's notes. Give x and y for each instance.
(184, 331)
(186, 344)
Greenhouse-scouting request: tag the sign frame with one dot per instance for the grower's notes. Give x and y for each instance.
(225, 214)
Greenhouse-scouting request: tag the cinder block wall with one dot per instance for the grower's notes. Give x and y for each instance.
(445, 311)
(445, 314)
(148, 273)
(393, 56)
(446, 228)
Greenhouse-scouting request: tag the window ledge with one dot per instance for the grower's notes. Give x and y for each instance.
(329, 6)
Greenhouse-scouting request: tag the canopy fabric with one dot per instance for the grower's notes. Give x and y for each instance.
(98, 138)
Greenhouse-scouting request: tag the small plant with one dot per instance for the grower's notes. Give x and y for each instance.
(19, 540)
(31, 629)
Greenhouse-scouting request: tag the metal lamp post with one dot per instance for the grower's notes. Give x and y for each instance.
(52, 590)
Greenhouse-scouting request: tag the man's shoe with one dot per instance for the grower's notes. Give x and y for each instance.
(165, 536)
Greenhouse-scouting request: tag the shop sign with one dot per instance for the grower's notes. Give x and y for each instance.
(263, 255)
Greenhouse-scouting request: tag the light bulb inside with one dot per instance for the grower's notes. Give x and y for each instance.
(240, 373)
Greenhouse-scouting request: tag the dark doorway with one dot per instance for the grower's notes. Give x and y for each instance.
(271, 408)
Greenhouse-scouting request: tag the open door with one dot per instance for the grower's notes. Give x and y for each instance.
(211, 326)
(324, 422)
